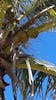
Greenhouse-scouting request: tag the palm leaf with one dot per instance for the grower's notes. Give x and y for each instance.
(3, 8)
(39, 65)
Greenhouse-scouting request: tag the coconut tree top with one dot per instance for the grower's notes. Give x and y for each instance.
(19, 21)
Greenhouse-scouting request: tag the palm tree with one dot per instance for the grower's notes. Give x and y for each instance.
(14, 36)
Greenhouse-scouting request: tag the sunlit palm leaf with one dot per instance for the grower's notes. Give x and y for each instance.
(39, 65)
(3, 8)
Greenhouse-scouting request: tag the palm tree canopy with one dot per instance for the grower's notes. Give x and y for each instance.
(19, 21)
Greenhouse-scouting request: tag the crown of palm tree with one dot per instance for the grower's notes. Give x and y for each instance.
(14, 33)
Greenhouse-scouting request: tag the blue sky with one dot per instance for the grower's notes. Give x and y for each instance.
(43, 47)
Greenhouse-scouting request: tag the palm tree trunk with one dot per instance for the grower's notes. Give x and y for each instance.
(2, 94)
